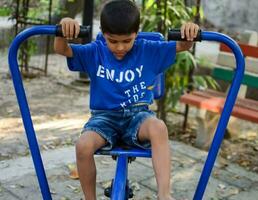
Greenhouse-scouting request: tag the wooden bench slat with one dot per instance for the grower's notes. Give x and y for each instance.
(227, 75)
(244, 108)
(212, 104)
(209, 93)
(245, 114)
(247, 50)
(245, 103)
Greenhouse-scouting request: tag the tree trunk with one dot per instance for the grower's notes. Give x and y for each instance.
(160, 102)
(190, 88)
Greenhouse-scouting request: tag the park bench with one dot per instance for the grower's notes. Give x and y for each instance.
(210, 102)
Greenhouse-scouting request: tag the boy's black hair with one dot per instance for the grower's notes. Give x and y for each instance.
(120, 17)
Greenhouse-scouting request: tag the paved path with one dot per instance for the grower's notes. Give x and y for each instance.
(18, 181)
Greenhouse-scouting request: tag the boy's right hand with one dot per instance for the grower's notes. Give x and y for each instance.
(70, 28)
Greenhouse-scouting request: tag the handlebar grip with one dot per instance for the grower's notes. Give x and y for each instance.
(175, 34)
(84, 31)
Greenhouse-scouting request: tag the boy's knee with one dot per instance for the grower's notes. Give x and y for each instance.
(158, 128)
(84, 147)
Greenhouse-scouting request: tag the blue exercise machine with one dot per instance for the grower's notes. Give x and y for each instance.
(119, 189)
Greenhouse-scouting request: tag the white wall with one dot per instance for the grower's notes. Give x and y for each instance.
(232, 14)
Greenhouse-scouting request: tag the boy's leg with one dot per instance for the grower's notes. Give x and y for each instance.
(88, 143)
(155, 131)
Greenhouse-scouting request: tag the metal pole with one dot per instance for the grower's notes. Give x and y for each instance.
(119, 184)
(48, 37)
(23, 104)
(87, 20)
(227, 109)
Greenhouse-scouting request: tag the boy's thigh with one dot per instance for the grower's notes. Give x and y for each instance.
(102, 125)
(130, 136)
(91, 140)
(151, 127)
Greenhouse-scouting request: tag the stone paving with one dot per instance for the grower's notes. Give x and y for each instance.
(228, 181)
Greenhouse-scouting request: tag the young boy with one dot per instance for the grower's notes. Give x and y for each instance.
(122, 71)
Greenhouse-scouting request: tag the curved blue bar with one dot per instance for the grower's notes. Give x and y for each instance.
(228, 106)
(24, 108)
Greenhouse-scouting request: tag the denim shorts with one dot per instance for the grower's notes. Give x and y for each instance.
(118, 126)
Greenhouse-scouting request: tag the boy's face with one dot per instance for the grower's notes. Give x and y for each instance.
(120, 45)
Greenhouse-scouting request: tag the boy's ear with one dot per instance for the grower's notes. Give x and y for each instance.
(101, 31)
(136, 34)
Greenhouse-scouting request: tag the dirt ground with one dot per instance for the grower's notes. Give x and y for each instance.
(59, 110)
(241, 149)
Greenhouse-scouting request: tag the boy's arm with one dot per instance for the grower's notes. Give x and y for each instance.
(188, 31)
(70, 29)
(62, 47)
(183, 46)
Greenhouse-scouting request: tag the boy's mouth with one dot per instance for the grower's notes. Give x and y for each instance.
(119, 55)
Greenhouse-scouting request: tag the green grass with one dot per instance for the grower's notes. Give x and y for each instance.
(5, 12)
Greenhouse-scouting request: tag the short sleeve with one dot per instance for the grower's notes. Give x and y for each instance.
(82, 57)
(164, 53)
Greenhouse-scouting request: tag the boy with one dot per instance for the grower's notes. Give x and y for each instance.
(122, 71)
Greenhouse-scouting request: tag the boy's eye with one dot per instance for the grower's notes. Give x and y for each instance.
(127, 41)
(112, 41)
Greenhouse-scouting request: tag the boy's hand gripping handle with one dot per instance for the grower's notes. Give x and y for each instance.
(84, 31)
(175, 34)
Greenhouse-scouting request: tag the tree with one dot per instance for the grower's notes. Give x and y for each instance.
(67, 8)
(160, 15)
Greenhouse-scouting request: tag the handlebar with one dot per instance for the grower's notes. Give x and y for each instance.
(84, 31)
(173, 34)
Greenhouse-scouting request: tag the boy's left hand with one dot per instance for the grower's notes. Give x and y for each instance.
(189, 31)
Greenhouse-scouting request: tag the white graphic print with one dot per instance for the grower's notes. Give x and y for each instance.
(119, 77)
(136, 92)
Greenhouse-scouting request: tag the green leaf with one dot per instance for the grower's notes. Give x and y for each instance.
(212, 82)
(200, 82)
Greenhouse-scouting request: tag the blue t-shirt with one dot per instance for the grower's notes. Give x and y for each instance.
(116, 84)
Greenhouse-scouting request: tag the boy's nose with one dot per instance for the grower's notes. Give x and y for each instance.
(120, 47)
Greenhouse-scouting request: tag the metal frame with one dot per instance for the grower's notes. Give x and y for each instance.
(119, 185)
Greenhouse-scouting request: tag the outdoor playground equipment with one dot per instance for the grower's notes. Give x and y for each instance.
(120, 189)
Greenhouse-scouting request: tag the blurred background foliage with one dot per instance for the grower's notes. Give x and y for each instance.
(160, 16)
(157, 15)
